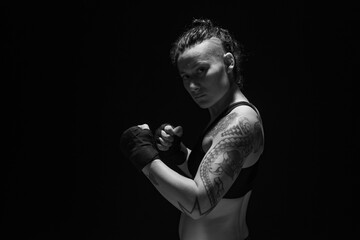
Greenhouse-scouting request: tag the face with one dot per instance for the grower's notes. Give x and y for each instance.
(203, 72)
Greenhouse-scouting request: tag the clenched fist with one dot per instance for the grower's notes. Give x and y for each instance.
(168, 142)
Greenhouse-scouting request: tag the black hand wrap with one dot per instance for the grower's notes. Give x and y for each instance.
(138, 146)
(174, 153)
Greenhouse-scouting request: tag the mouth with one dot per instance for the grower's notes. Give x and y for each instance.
(198, 96)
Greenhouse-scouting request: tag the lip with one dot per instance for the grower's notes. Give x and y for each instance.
(198, 96)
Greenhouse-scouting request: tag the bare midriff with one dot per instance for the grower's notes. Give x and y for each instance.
(227, 221)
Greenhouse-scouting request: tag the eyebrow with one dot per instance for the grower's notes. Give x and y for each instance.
(195, 65)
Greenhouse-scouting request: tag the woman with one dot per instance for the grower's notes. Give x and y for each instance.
(214, 191)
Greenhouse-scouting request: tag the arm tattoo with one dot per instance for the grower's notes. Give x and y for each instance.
(219, 187)
(195, 207)
(223, 124)
(236, 145)
(231, 164)
(242, 129)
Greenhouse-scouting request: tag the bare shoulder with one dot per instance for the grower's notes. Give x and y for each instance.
(245, 111)
(242, 117)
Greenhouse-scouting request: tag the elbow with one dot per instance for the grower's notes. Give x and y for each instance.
(194, 217)
(196, 212)
(195, 203)
(197, 216)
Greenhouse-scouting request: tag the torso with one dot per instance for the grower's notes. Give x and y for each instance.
(227, 221)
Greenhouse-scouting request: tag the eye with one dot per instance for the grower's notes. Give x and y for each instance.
(185, 77)
(200, 71)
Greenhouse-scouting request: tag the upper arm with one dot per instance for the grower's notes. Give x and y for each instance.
(231, 147)
(237, 140)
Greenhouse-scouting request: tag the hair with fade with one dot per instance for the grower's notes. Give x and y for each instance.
(203, 29)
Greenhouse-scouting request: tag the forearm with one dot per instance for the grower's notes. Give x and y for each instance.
(184, 166)
(188, 195)
(186, 150)
(182, 192)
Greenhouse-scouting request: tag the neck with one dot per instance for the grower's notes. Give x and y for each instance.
(233, 95)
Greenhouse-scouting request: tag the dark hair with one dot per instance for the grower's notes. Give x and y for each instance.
(203, 29)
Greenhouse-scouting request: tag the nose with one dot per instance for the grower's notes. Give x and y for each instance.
(193, 87)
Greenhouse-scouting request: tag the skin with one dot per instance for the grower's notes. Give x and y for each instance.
(236, 142)
(204, 71)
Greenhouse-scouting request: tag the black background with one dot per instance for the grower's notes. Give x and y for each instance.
(78, 74)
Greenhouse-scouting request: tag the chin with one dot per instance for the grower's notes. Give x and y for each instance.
(203, 105)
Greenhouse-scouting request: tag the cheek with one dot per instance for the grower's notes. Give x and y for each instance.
(186, 86)
(219, 78)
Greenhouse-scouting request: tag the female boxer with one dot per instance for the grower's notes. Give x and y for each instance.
(214, 191)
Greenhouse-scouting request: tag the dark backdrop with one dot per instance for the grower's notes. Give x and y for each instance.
(80, 73)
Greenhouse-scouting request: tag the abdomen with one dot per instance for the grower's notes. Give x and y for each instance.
(226, 222)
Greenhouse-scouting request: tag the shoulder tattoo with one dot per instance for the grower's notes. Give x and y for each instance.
(235, 145)
(223, 124)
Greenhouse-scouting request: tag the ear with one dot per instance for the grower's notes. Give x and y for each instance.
(229, 62)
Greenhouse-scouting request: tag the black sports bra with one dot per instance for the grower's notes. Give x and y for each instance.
(244, 181)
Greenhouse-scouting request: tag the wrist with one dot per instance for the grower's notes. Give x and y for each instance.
(138, 146)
